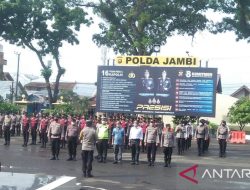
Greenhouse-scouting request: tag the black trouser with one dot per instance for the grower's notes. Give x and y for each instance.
(1, 131)
(7, 135)
(167, 154)
(223, 146)
(126, 142)
(13, 129)
(151, 151)
(33, 135)
(200, 143)
(180, 145)
(206, 144)
(135, 150)
(55, 147)
(118, 152)
(18, 129)
(43, 135)
(63, 141)
(143, 143)
(72, 145)
(103, 149)
(189, 141)
(25, 137)
(87, 159)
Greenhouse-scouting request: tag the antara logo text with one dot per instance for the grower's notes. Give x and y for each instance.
(226, 173)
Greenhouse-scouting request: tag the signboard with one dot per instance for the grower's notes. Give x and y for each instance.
(157, 90)
(157, 61)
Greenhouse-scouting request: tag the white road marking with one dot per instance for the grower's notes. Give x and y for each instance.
(91, 187)
(56, 183)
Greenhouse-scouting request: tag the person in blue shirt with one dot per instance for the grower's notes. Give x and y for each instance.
(118, 136)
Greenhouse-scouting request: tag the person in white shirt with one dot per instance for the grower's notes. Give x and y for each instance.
(135, 139)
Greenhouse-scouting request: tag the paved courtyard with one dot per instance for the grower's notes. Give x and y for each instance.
(30, 168)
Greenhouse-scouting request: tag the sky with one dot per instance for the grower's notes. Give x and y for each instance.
(222, 51)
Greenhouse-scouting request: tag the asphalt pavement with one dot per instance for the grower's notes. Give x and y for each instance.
(28, 168)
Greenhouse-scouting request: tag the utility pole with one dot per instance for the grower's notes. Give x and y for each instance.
(17, 73)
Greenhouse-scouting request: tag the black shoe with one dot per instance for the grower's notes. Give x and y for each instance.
(69, 159)
(84, 174)
(132, 163)
(136, 163)
(100, 161)
(5, 143)
(53, 158)
(166, 165)
(149, 163)
(115, 162)
(57, 158)
(74, 159)
(90, 175)
(153, 164)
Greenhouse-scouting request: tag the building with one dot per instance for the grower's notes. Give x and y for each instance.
(7, 83)
(242, 92)
(81, 89)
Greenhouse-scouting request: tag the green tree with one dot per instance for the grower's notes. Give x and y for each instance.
(134, 27)
(236, 17)
(240, 113)
(42, 26)
(79, 104)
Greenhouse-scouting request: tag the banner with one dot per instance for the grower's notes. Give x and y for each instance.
(157, 90)
(157, 61)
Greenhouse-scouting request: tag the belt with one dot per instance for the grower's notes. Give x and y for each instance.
(56, 135)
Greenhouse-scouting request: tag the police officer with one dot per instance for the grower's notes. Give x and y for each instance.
(25, 127)
(207, 141)
(147, 82)
(1, 124)
(189, 129)
(6, 128)
(88, 137)
(72, 138)
(13, 124)
(180, 132)
(18, 124)
(103, 134)
(201, 134)
(164, 83)
(152, 141)
(33, 128)
(167, 143)
(43, 131)
(222, 136)
(55, 133)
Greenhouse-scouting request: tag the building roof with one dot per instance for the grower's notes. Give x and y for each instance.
(244, 87)
(82, 89)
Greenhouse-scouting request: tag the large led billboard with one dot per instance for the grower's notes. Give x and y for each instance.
(157, 90)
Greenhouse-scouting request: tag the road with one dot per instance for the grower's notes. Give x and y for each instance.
(30, 168)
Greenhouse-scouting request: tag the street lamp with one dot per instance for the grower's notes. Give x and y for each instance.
(157, 48)
(17, 73)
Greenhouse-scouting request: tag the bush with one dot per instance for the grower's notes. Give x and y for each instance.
(9, 108)
(63, 109)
